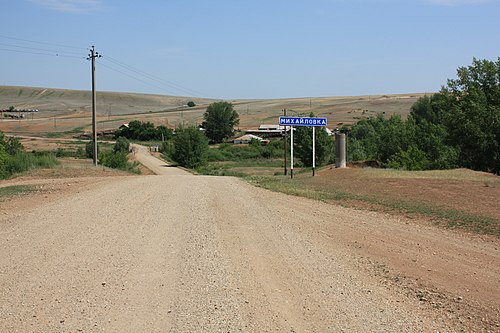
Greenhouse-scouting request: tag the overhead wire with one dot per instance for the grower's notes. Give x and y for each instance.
(44, 43)
(144, 77)
(38, 49)
(42, 53)
(154, 78)
(130, 76)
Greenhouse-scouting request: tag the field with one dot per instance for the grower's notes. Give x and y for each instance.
(66, 113)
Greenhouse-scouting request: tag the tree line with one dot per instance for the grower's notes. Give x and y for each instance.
(457, 127)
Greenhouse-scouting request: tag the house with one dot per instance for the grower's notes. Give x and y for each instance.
(271, 127)
(245, 139)
(268, 130)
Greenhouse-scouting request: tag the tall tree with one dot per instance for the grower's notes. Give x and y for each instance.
(472, 116)
(190, 147)
(219, 121)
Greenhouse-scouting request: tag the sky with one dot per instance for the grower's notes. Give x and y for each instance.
(239, 49)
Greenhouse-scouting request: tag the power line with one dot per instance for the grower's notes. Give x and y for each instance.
(154, 81)
(38, 49)
(41, 53)
(132, 77)
(151, 77)
(45, 43)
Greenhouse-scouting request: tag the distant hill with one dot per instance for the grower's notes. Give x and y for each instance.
(64, 101)
(64, 110)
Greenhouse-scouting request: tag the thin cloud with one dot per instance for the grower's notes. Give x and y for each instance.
(70, 6)
(458, 2)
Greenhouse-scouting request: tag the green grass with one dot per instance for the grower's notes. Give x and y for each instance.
(10, 191)
(442, 216)
(75, 130)
(22, 162)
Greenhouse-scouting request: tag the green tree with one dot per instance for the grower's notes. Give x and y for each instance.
(219, 121)
(121, 145)
(410, 159)
(191, 104)
(472, 114)
(379, 138)
(190, 147)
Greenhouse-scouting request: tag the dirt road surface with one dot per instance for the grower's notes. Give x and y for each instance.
(159, 167)
(184, 253)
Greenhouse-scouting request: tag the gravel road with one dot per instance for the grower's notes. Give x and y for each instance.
(184, 253)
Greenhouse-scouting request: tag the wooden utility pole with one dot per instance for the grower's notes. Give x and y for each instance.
(92, 56)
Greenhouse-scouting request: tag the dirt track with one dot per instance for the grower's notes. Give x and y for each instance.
(183, 253)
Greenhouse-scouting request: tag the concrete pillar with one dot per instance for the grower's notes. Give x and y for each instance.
(340, 153)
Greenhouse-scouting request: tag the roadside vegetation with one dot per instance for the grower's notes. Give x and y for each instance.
(9, 191)
(114, 156)
(14, 160)
(144, 131)
(457, 127)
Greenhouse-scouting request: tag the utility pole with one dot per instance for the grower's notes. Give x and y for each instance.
(285, 138)
(93, 54)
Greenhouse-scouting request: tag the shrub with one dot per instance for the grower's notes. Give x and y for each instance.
(411, 159)
(121, 145)
(190, 147)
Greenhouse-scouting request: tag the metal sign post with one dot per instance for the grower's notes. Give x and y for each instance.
(291, 152)
(314, 150)
(303, 121)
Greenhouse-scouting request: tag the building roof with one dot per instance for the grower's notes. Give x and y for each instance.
(248, 137)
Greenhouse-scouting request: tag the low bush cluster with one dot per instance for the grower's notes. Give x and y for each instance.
(14, 160)
(117, 158)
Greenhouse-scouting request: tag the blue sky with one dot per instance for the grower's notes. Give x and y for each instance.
(246, 49)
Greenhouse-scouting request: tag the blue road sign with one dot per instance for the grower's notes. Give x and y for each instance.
(302, 121)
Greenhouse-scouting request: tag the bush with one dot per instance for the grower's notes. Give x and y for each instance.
(118, 160)
(411, 159)
(190, 147)
(21, 162)
(122, 145)
(191, 104)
